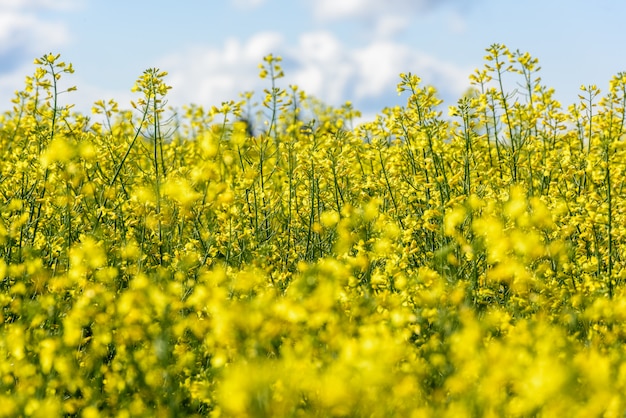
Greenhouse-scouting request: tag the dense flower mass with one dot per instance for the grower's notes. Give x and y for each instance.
(274, 259)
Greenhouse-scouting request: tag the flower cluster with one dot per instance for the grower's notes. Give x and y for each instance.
(276, 260)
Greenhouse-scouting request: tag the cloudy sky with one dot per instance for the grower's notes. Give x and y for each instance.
(336, 50)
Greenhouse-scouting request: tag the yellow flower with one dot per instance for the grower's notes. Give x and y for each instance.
(59, 150)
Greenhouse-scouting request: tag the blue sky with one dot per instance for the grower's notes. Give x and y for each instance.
(337, 50)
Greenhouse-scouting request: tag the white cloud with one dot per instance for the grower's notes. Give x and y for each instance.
(22, 29)
(24, 6)
(247, 4)
(443, 75)
(12, 82)
(390, 25)
(348, 9)
(320, 46)
(324, 67)
(25, 35)
(457, 23)
(335, 72)
(28, 34)
(317, 62)
(383, 18)
(332, 9)
(378, 66)
(209, 76)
